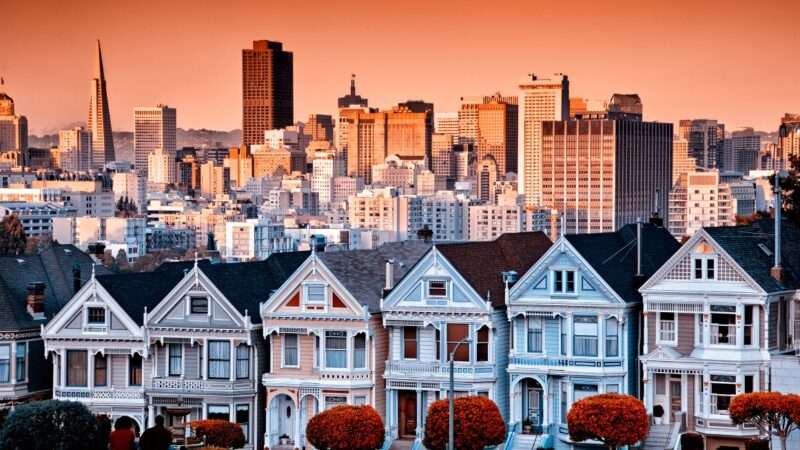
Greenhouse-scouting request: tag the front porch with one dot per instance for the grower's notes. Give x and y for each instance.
(286, 422)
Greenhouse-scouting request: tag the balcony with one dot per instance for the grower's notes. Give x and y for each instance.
(98, 394)
(438, 370)
(350, 375)
(189, 386)
(564, 361)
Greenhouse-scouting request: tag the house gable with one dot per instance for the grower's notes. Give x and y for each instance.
(196, 302)
(561, 275)
(312, 291)
(107, 317)
(434, 283)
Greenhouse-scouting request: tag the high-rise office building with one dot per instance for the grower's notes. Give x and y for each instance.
(604, 173)
(539, 99)
(267, 90)
(789, 144)
(497, 132)
(442, 163)
(99, 122)
(487, 172)
(741, 151)
(319, 127)
(352, 100)
(154, 127)
(700, 200)
(468, 114)
(75, 149)
(160, 168)
(13, 132)
(705, 138)
(682, 163)
(446, 123)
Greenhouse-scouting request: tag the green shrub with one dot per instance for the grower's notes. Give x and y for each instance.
(51, 424)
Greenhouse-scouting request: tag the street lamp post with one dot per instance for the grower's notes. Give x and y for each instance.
(451, 418)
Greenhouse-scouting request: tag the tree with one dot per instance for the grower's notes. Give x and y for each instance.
(477, 424)
(615, 420)
(12, 236)
(220, 433)
(346, 427)
(790, 185)
(51, 424)
(773, 413)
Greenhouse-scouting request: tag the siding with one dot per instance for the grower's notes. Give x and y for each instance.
(520, 339)
(306, 357)
(690, 401)
(380, 347)
(427, 344)
(552, 337)
(191, 363)
(685, 333)
(501, 339)
(652, 325)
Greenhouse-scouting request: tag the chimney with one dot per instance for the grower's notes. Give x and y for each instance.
(656, 219)
(389, 275)
(35, 300)
(777, 271)
(76, 278)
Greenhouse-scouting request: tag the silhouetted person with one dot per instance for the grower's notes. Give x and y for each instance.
(157, 437)
(123, 437)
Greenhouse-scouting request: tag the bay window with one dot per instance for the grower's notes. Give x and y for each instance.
(723, 389)
(219, 359)
(723, 324)
(21, 358)
(666, 328)
(243, 419)
(336, 349)
(5, 363)
(535, 325)
(242, 362)
(585, 332)
(457, 332)
(612, 337)
(360, 351)
(290, 350)
(76, 368)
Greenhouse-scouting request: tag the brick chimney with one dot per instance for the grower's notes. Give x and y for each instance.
(35, 300)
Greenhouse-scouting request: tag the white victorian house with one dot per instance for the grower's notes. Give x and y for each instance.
(452, 301)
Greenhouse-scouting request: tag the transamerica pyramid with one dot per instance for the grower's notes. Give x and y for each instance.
(99, 122)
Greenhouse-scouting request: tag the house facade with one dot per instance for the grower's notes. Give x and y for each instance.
(714, 315)
(574, 325)
(451, 303)
(328, 345)
(180, 342)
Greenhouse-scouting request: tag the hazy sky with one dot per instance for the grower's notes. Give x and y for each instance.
(731, 60)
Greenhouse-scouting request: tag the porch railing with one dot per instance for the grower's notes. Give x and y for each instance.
(436, 369)
(178, 384)
(99, 394)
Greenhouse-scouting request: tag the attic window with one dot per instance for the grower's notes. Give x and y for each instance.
(437, 288)
(198, 305)
(315, 294)
(96, 316)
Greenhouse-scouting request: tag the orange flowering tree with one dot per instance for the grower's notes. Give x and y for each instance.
(772, 413)
(220, 433)
(615, 420)
(477, 424)
(346, 427)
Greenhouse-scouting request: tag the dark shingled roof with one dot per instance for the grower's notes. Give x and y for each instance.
(53, 267)
(613, 255)
(243, 284)
(481, 263)
(744, 244)
(363, 272)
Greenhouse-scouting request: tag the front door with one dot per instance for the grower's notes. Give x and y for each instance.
(535, 405)
(674, 399)
(407, 414)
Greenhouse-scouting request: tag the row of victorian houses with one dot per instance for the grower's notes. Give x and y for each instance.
(532, 324)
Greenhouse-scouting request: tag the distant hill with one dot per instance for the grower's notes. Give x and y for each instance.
(123, 140)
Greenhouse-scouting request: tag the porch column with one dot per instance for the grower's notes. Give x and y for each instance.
(267, 420)
(204, 366)
(648, 388)
(418, 431)
(205, 410)
(546, 401)
(296, 437)
(740, 325)
(644, 332)
(511, 404)
(151, 416)
(63, 360)
(569, 334)
(90, 368)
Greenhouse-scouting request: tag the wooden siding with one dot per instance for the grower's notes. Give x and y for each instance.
(685, 333)
(380, 347)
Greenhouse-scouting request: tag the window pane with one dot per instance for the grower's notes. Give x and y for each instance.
(175, 359)
(559, 281)
(243, 419)
(21, 350)
(482, 346)
(219, 361)
(100, 370)
(455, 334)
(290, 350)
(198, 305)
(336, 349)
(710, 269)
(242, 361)
(535, 334)
(612, 337)
(410, 342)
(219, 412)
(96, 315)
(76, 368)
(570, 287)
(437, 288)
(585, 336)
(359, 351)
(135, 370)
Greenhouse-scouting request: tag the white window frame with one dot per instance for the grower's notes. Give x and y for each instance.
(347, 355)
(528, 331)
(659, 340)
(437, 280)
(95, 328)
(328, 406)
(283, 351)
(366, 353)
(316, 304)
(561, 275)
(705, 258)
(191, 297)
(169, 360)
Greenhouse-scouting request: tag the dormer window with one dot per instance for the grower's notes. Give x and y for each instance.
(96, 316)
(437, 288)
(316, 296)
(705, 268)
(564, 281)
(198, 305)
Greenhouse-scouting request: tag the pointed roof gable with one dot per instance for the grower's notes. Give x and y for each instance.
(613, 255)
(746, 244)
(363, 272)
(481, 263)
(53, 267)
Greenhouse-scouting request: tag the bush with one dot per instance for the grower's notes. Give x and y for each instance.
(51, 424)
(477, 424)
(692, 441)
(613, 419)
(756, 444)
(220, 433)
(346, 427)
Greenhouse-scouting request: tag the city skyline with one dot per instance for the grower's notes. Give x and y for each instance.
(198, 60)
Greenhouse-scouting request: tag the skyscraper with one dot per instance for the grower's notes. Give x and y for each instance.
(540, 99)
(154, 127)
(75, 149)
(99, 122)
(705, 138)
(604, 173)
(319, 128)
(446, 123)
(267, 90)
(741, 151)
(497, 132)
(13, 132)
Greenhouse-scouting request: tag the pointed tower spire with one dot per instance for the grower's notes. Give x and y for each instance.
(98, 64)
(99, 121)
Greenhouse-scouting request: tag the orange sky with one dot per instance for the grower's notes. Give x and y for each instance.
(730, 60)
